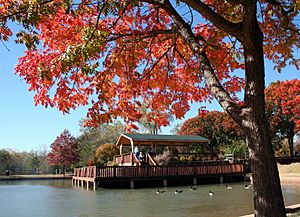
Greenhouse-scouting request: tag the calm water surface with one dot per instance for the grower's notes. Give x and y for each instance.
(60, 199)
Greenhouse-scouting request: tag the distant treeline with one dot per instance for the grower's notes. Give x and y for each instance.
(33, 162)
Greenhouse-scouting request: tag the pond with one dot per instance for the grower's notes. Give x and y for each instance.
(57, 198)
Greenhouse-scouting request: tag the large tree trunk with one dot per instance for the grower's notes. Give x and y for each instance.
(291, 144)
(268, 199)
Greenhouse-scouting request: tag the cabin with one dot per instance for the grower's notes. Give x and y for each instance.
(160, 159)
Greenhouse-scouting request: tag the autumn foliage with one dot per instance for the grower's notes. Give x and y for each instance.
(123, 52)
(106, 152)
(64, 151)
(113, 55)
(283, 109)
(85, 52)
(216, 126)
(284, 98)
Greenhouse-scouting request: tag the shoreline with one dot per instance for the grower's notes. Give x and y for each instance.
(289, 173)
(34, 177)
(293, 209)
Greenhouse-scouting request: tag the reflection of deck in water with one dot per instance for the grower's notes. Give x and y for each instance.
(92, 176)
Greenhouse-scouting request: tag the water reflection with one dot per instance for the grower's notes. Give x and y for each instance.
(59, 198)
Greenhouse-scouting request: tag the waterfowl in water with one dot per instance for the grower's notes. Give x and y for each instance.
(177, 192)
(247, 186)
(193, 188)
(211, 193)
(160, 191)
(228, 187)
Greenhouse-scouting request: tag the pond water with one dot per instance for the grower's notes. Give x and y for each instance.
(59, 199)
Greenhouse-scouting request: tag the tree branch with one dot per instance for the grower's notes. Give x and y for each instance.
(228, 104)
(23, 10)
(235, 2)
(143, 35)
(286, 20)
(233, 29)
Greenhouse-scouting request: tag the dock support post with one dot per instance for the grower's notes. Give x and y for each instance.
(82, 183)
(165, 182)
(95, 185)
(131, 184)
(87, 185)
(194, 181)
(221, 179)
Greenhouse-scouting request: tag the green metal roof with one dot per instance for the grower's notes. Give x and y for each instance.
(165, 138)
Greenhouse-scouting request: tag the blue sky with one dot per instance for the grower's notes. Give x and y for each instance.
(24, 127)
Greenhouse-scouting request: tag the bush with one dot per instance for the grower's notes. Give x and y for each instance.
(91, 163)
(106, 152)
(191, 158)
(175, 151)
(182, 158)
(237, 148)
(173, 160)
(198, 159)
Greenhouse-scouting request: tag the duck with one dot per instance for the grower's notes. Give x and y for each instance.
(193, 188)
(228, 187)
(247, 186)
(178, 192)
(160, 191)
(211, 193)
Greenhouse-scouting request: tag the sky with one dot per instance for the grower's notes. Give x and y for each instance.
(25, 127)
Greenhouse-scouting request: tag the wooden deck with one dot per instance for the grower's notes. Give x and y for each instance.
(82, 176)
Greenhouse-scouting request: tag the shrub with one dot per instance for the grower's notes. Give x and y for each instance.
(91, 163)
(191, 158)
(106, 152)
(182, 158)
(173, 160)
(198, 159)
(175, 151)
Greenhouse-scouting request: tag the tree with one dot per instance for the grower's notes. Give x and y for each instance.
(91, 138)
(5, 159)
(106, 152)
(33, 161)
(64, 151)
(216, 126)
(282, 107)
(147, 121)
(126, 51)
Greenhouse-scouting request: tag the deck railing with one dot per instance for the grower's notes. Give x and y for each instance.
(205, 168)
(89, 172)
(150, 161)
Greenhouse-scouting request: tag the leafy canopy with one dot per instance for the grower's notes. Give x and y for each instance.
(283, 104)
(216, 126)
(116, 54)
(283, 110)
